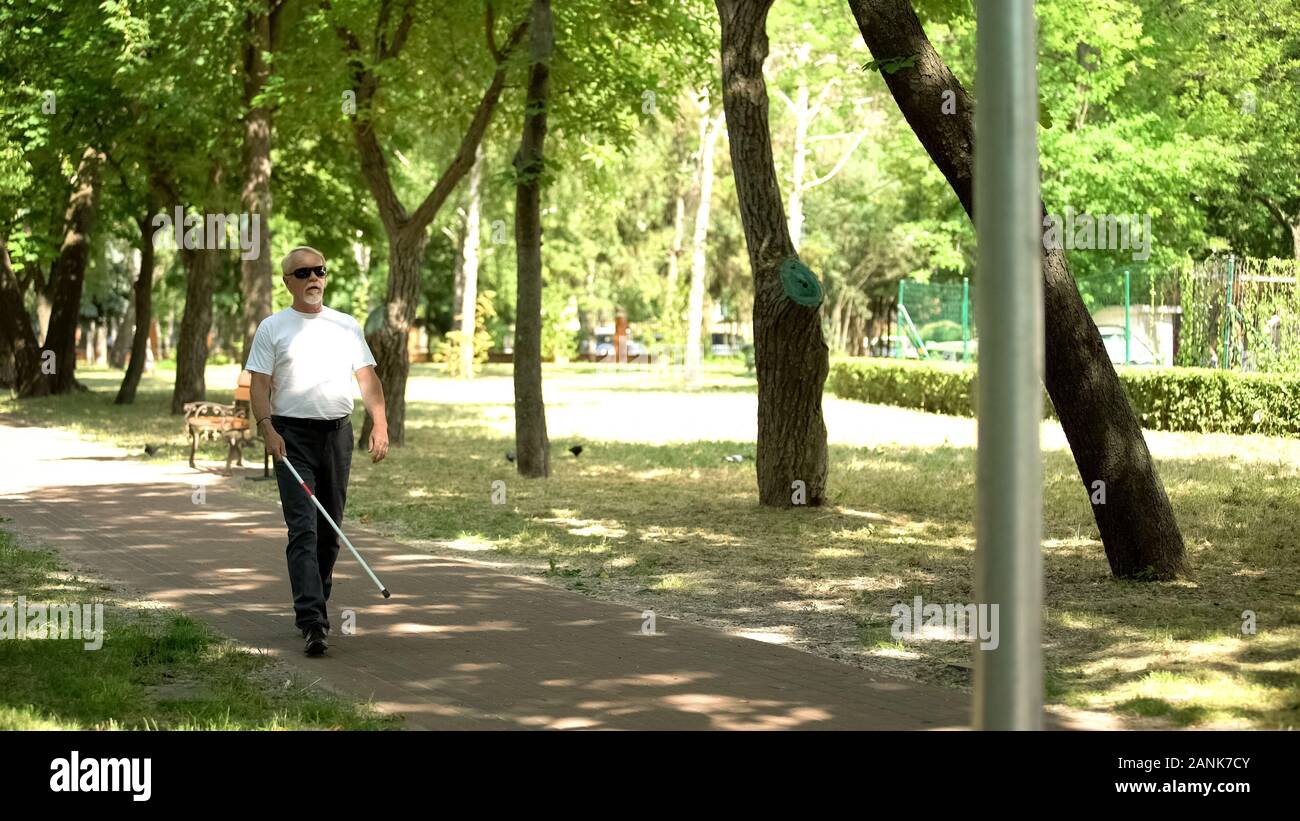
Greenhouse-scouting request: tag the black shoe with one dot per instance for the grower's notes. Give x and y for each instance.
(316, 643)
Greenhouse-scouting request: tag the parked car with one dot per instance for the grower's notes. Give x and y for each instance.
(723, 344)
(605, 346)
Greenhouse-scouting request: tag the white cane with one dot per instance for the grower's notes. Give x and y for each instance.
(319, 507)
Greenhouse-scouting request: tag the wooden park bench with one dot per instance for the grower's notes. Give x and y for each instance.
(212, 421)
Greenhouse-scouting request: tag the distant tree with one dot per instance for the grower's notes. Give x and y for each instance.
(531, 443)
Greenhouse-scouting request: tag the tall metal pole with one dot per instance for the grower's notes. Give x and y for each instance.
(1128, 328)
(965, 319)
(1227, 315)
(1008, 222)
(898, 318)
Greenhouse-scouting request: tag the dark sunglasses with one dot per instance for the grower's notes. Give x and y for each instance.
(303, 273)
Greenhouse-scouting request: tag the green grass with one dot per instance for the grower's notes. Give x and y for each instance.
(653, 515)
(156, 670)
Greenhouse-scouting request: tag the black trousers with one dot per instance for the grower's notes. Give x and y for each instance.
(321, 451)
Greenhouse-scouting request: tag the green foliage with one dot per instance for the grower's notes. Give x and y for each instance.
(943, 330)
(450, 350)
(559, 340)
(1181, 111)
(890, 65)
(1173, 399)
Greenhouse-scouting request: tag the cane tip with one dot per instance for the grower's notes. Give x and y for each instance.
(386, 593)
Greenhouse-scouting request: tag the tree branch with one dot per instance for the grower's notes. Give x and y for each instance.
(816, 107)
(399, 37)
(469, 143)
(374, 165)
(844, 158)
(490, 28)
(1274, 210)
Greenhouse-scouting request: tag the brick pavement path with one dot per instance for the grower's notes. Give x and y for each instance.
(459, 645)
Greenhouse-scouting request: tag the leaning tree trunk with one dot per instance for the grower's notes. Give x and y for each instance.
(790, 354)
(17, 334)
(531, 444)
(1136, 520)
(257, 274)
(68, 274)
(143, 309)
(201, 267)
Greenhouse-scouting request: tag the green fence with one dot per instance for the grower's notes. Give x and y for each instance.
(1241, 313)
(1222, 312)
(935, 320)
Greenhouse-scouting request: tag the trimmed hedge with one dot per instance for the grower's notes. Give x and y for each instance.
(941, 330)
(937, 387)
(1176, 399)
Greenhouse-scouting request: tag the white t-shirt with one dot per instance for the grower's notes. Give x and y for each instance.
(311, 359)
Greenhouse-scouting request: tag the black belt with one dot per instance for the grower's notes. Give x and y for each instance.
(311, 424)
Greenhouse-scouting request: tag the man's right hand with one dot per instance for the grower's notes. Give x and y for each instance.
(274, 441)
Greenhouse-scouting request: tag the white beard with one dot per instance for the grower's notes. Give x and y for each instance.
(313, 298)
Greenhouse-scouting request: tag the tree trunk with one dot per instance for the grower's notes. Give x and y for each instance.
(532, 446)
(155, 340)
(1136, 521)
(43, 311)
(99, 341)
(8, 371)
(143, 310)
(457, 273)
(16, 334)
(837, 322)
(68, 274)
(201, 268)
(258, 274)
(710, 127)
(674, 260)
(789, 352)
(388, 344)
(469, 266)
(120, 351)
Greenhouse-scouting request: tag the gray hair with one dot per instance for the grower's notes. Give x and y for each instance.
(285, 264)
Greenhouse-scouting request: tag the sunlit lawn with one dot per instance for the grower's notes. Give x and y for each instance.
(653, 514)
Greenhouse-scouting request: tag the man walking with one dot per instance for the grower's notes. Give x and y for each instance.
(302, 361)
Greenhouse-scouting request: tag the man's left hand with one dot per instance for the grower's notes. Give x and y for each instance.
(378, 444)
